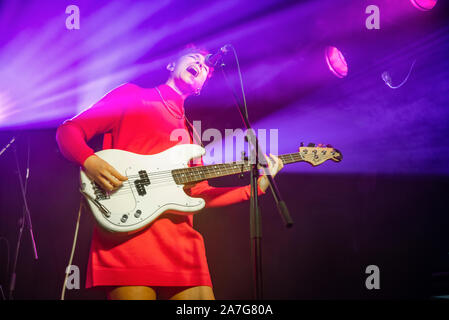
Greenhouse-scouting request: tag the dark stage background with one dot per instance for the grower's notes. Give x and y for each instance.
(343, 223)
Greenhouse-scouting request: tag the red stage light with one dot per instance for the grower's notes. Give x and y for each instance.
(336, 62)
(424, 5)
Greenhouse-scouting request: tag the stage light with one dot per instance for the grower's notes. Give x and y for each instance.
(336, 62)
(424, 5)
(45, 85)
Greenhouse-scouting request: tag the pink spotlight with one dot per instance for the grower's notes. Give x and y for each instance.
(336, 62)
(424, 5)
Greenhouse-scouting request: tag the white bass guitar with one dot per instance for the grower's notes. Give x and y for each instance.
(155, 183)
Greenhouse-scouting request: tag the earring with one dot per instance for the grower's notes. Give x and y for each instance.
(170, 67)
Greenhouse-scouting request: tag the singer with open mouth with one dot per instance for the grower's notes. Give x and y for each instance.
(167, 259)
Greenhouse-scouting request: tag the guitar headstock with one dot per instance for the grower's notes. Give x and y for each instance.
(316, 155)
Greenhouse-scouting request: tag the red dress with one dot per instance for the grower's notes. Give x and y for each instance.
(170, 252)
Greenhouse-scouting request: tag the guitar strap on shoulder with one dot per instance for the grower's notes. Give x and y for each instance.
(75, 237)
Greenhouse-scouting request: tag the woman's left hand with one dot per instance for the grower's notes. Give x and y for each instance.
(274, 166)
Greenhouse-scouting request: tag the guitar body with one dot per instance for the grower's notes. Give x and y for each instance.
(149, 191)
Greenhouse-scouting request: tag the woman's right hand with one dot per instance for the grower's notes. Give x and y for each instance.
(103, 173)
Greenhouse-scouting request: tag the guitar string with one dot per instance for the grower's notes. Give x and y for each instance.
(170, 172)
(203, 170)
(129, 188)
(167, 177)
(230, 168)
(207, 167)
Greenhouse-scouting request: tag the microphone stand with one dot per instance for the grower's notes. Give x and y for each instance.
(255, 213)
(26, 219)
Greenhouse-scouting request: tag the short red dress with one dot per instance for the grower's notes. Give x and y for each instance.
(170, 252)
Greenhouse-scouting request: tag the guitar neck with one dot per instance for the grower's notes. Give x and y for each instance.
(200, 173)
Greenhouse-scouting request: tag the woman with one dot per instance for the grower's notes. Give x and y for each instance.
(167, 259)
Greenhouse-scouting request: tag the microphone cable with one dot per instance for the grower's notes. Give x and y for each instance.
(239, 72)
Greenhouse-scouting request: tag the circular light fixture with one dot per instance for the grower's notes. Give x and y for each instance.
(336, 62)
(424, 5)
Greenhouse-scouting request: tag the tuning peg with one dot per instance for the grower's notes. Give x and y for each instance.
(311, 144)
(328, 145)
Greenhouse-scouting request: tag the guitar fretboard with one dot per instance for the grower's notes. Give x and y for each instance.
(200, 173)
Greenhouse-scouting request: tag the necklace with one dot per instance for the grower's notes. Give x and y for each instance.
(173, 113)
(169, 108)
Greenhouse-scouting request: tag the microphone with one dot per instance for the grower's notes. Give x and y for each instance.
(212, 60)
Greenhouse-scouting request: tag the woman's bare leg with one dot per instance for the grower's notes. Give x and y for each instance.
(187, 293)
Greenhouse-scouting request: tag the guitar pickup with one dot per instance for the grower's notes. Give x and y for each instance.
(144, 178)
(141, 183)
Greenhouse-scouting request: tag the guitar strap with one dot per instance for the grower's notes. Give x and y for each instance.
(75, 237)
